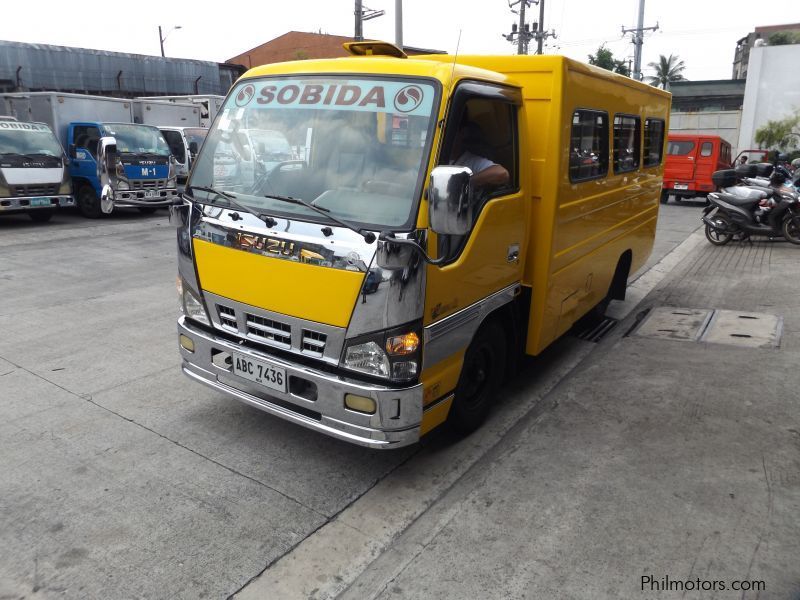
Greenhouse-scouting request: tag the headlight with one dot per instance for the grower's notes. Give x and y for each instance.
(193, 307)
(367, 358)
(394, 354)
(123, 185)
(65, 189)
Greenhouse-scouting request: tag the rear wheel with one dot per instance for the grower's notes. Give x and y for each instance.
(481, 377)
(664, 196)
(718, 234)
(791, 228)
(88, 202)
(41, 216)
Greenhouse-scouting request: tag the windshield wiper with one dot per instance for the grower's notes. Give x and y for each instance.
(368, 236)
(229, 197)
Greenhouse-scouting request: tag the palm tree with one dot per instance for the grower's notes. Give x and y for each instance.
(667, 70)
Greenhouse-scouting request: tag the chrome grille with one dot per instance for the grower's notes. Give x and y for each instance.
(268, 330)
(37, 189)
(147, 184)
(227, 317)
(313, 342)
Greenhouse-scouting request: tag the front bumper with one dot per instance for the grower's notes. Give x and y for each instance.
(24, 204)
(163, 197)
(396, 422)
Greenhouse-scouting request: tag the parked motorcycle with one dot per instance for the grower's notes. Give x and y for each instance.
(752, 208)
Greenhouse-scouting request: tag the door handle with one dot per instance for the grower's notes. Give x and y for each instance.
(513, 253)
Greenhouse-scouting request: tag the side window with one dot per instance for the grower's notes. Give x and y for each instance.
(654, 142)
(706, 149)
(627, 145)
(485, 137)
(588, 153)
(86, 136)
(175, 143)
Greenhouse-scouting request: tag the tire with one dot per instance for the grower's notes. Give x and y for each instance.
(481, 377)
(664, 196)
(714, 236)
(88, 202)
(147, 210)
(41, 216)
(791, 228)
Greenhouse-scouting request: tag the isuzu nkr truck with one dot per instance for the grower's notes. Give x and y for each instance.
(442, 216)
(113, 161)
(33, 170)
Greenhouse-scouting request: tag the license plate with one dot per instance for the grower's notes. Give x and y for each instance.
(681, 186)
(39, 202)
(260, 372)
(149, 193)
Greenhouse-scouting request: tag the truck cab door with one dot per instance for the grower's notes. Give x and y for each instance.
(482, 128)
(84, 139)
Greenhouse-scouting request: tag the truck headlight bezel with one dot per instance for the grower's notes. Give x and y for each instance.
(393, 354)
(192, 306)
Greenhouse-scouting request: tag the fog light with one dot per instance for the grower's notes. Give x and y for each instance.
(186, 343)
(360, 404)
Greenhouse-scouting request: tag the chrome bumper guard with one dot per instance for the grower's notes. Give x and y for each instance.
(128, 198)
(16, 204)
(396, 422)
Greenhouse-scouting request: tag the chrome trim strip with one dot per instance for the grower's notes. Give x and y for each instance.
(454, 333)
(396, 422)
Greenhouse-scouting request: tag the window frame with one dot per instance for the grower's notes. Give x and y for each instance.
(605, 146)
(638, 147)
(710, 149)
(661, 151)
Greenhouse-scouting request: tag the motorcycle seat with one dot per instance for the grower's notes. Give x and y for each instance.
(738, 200)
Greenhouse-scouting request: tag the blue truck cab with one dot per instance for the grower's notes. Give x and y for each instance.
(132, 167)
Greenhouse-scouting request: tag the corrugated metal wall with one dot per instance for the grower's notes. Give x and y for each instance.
(40, 67)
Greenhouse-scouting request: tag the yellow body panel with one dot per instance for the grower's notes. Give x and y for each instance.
(301, 290)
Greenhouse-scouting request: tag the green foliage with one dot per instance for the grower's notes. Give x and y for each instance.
(784, 38)
(668, 69)
(783, 134)
(604, 58)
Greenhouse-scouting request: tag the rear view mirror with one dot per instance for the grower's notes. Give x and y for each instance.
(450, 206)
(106, 157)
(179, 214)
(73, 153)
(394, 256)
(193, 148)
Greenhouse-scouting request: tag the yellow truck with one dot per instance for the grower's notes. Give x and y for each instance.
(430, 220)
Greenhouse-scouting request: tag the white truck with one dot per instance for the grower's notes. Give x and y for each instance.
(184, 143)
(34, 177)
(164, 113)
(113, 161)
(209, 104)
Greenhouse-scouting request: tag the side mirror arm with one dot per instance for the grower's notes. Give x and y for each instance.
(389, 238)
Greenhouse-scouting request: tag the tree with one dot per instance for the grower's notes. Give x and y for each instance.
(668, 69)
(783, 38)
(605, 59)
(783, 134)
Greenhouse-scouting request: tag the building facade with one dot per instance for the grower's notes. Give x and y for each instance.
(741, 56)
(708, 107)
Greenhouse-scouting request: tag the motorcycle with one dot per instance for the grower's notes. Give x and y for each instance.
(740, 211)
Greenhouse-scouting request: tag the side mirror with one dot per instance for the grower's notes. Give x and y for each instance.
(193, 148)
(393, 256)
(172, 160)
(179, 214)
(73, 152)
(106, 153)
(450, 206)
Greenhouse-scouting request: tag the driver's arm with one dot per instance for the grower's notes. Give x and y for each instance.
(496, 175)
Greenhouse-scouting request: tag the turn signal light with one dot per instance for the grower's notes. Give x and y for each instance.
(360, 404)
(186, 343)
(401, 345)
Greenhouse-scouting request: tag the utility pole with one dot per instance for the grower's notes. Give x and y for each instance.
(638, 41)
(522, 39)
(359, 12)
(524, 33)
(540, 34)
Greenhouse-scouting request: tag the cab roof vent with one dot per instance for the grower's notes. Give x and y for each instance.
(374, 48)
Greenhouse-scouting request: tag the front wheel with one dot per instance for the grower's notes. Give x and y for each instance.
(88, 202)
(791, 228)
(718, 236)
(481, 377)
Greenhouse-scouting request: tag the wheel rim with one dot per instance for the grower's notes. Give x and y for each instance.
(792, 228)
(716, 235)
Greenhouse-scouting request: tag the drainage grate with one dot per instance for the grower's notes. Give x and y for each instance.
(598, 331)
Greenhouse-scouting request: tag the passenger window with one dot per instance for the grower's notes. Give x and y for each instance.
(627, 147)
(706, 149)
(654, 142)
(588, 154)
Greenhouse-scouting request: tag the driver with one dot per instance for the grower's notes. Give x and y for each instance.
(485, 173)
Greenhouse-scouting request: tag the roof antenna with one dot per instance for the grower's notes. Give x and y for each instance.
(455, 58)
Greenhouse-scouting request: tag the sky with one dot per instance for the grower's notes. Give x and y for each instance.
(702, 32)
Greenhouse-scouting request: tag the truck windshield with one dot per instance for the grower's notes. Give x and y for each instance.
(355, 147)
(28, 138)
(138, 139)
